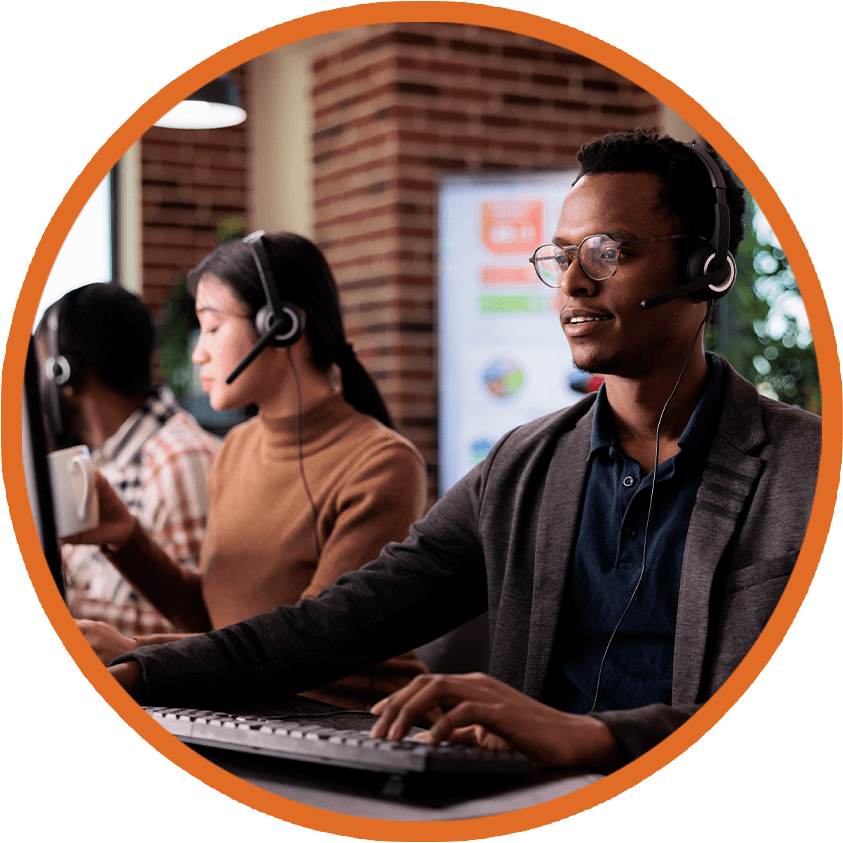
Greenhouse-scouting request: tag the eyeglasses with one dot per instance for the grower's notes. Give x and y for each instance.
(598, 256)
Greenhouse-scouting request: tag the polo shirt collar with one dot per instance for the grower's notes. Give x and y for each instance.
(698, 432)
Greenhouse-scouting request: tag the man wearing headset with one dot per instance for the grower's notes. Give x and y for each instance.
(96, 344)
(617, 605)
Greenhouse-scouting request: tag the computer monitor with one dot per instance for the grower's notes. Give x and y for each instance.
(37, 470)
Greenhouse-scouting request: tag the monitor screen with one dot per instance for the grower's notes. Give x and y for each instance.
(37, 470)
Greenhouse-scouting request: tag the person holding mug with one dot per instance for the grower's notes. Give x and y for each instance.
(96, 347)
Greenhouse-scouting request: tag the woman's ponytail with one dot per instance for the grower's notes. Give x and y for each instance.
(358, 387)
(306, 279)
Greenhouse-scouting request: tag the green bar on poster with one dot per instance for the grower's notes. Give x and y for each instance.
(512, 304)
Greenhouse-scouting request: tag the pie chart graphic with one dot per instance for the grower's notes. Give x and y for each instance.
(480, 449)
(503, 378)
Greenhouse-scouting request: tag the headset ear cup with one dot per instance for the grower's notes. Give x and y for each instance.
(295, 316)
(263, 320)
(286, 328)
(697, 266)
(717, 291)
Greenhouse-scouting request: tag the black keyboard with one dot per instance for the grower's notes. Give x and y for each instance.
(326, 739)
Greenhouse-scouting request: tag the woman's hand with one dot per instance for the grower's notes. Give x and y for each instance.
(485, 712)
(116, 522)
(106, 641)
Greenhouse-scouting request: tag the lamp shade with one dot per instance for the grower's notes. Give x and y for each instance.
(214, 106)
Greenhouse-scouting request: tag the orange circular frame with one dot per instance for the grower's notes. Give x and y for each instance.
(541, 29)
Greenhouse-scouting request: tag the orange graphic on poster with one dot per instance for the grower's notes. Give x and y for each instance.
(511, 226)
(508, 275)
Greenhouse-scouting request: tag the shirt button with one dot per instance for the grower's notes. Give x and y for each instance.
(630, 532)
(628, 481)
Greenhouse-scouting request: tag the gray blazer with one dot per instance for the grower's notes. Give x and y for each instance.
(746, 530)
(503, 539)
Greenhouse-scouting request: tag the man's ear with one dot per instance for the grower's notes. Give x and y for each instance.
(81, 382)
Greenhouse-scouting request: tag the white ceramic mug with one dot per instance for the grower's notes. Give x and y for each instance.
(74, 491)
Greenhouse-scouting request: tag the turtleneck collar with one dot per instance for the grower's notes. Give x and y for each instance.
(320, 424)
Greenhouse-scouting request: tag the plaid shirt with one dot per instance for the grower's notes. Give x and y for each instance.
(158, 461)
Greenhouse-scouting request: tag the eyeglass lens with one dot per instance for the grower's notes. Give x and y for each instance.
(598, 257)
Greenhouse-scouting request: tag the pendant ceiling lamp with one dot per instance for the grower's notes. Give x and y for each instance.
(214, 106)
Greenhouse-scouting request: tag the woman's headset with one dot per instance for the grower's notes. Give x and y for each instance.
(279, 323)
(709, 271)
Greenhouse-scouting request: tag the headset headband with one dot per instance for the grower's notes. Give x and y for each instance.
(278, 323)
(258, 250)
(714, 270)
(720, 236)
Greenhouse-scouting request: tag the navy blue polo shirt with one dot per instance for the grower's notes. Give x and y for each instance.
(607, 563)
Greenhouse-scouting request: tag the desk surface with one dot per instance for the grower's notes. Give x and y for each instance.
(364, 794)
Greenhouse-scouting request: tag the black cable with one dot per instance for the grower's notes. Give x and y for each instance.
(301, 453)
(649, 507)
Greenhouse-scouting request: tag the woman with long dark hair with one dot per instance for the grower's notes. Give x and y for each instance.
(311, 487)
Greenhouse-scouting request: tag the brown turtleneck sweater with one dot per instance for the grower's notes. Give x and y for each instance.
(368, 486)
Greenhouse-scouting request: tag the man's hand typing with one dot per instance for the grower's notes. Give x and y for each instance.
(483, 711)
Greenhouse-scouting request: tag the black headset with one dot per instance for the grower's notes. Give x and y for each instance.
(279, 323)
(709, 271)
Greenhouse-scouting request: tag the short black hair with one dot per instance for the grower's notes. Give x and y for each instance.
(107, 331)
(686, 191)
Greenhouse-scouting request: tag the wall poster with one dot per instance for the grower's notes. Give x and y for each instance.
(503, 358)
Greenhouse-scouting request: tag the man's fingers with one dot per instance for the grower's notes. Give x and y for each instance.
(400, 711)
(464, 735)
(389, 708)
(454, 726)
(430, 694)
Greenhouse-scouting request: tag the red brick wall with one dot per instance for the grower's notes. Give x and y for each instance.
(395, 107)
(192, 181)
